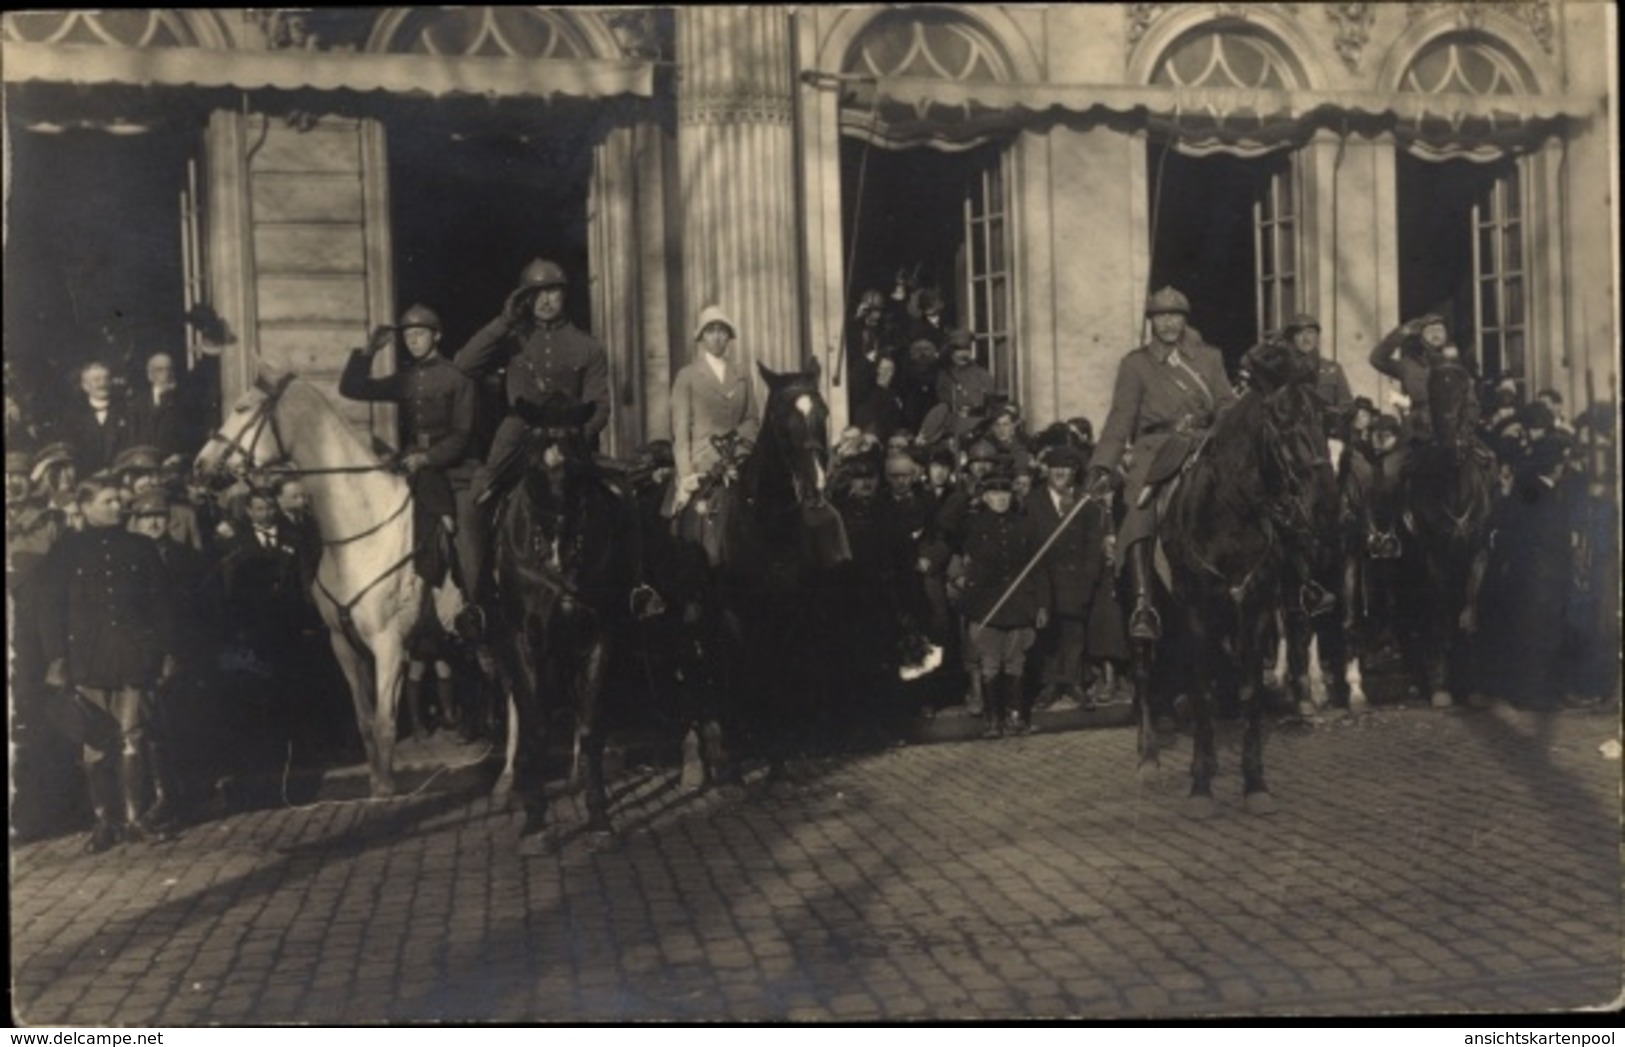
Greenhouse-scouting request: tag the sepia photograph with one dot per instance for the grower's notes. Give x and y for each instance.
(813, 514)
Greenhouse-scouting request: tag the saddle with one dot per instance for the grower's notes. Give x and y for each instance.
(1173, 456)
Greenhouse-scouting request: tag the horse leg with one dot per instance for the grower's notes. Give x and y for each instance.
(354, 668)
(389, 672)
(1298, 634)
(1144, 652)
(590, 734)
(1255, 793)
(1204, 761)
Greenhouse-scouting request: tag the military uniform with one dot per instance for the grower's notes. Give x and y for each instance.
(1402, 356)
(436, 401)
(1162, 393)
(542, 360)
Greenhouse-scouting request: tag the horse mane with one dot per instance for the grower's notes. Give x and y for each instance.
(356, 451)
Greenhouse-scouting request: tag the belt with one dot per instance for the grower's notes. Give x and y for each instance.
(1197, 424)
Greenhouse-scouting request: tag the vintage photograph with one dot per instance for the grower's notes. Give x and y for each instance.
(866, 513)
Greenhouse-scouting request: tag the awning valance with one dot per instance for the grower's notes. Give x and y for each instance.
(431, 75)
(905, 111)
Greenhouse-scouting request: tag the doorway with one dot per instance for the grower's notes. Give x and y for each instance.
(941, 218)
(96, 262)
(1462, 256)
(1224, 233)
(475, 194)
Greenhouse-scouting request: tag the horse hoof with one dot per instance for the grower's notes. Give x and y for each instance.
(1199, 806)
(1442, 700)
(1259, 802)
(383, 790)
(1357, 702)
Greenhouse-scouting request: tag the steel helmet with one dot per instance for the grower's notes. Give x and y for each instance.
(542, 273)
(419, 316)
(1167, 300)
(1300, 322)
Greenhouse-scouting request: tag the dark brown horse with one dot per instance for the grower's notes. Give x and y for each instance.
(1446, 489)
(561, 587)
(778, 637)
(1246, 512)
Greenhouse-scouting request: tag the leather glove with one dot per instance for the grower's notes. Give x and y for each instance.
(382, 337)
(518, 305)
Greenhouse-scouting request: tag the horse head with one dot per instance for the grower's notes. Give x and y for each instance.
(794, 435)
(1294, 461)
(250, 437)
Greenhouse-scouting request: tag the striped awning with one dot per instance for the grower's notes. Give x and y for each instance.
(904, 111)
(407, 74)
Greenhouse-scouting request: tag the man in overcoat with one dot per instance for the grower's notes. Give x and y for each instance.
(1072, 569)
(99, 426)
(1168, 391)
(108, 633)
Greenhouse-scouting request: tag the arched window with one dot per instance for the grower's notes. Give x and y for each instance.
(934, 44)
(1220, 55)
(1465, 64)
(112, 28)
(491, 32)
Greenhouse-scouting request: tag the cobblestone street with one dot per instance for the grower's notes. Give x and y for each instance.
(1420, 861)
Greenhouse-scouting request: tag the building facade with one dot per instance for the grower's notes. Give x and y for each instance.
(305, 174)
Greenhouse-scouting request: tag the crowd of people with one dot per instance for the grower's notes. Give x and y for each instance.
(151, 612)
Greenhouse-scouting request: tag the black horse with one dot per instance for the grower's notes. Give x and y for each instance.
(1446, 493)
(562, 581)
(777, 635)
(1243, 518)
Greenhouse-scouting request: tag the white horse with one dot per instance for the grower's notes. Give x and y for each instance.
(366, 589)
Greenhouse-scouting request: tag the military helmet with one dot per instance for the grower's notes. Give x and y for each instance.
(542, 273)
(419, 316)
(982, 451)
(1300, 322)
(1167, 300)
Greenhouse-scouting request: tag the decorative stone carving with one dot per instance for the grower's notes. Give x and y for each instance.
(636, 33)
(1353, 29)
(1141, 17)
(1534, 14)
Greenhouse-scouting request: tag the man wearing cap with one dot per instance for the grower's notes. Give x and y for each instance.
(1002, 614)
(436, 402)
(98, 426)
(711, 397)
(54, 470)
(107, 626)
(137, 469)
(545, 355)
(965, 385)
(1167, 390)
(1071, 570)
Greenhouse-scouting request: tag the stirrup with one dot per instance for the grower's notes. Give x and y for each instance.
(1144, 624)
(1316, 600)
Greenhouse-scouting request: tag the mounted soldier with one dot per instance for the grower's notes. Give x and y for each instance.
(1167, 394)
(545, 355)
(436, 401)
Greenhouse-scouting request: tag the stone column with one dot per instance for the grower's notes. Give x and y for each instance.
(735, 144)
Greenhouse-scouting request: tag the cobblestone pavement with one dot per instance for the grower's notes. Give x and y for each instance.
(1420, 861)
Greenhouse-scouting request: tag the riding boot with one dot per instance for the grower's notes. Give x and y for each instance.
(104, 801)
(1020, 712)
(162, 812)
(993, 707)
(446, 696)
(133, 779)
(1143, 623)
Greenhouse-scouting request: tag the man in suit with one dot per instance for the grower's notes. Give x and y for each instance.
(98, 427)
(1168, 390)
(160, 416)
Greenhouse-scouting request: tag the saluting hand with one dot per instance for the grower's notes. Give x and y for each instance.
(517, 305)
(382, 336)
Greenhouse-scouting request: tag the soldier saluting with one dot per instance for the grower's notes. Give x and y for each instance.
(1167, 393)
(546, 355)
